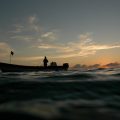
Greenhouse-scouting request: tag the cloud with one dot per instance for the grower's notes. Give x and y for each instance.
(18, 28)
(30, 27)
(50, 46)
(4, 50)
(33, 24)
(32, 19)
(28, 60)
(100, 47)
(83, 47)
(31, 30)
(22, 38)
(49, 36)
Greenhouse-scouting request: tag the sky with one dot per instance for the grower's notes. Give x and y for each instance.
(73, 31)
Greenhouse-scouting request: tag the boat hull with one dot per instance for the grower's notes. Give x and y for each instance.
(5, 67)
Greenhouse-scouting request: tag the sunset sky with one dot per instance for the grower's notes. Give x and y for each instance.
(73, 31)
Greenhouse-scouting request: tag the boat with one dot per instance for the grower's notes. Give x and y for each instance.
(6, 67)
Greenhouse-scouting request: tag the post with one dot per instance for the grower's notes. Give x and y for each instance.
(10, 58)
(11, 54)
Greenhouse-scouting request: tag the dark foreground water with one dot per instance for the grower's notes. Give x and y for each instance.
(67, 95)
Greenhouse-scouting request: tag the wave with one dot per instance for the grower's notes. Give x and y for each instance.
(66, 76)
(60, 95)
(117, 74)
(63, 101)
(74, 76)
(27, 90)
(61, 110)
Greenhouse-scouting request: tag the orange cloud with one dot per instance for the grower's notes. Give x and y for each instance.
(84, 47)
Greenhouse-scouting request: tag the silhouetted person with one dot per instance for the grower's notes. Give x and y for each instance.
(45, 61)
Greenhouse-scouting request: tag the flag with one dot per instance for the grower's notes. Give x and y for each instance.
(12, 53)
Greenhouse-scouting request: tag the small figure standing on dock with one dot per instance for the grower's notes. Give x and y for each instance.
(45, 61)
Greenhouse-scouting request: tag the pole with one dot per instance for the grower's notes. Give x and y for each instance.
(11, 54)
(10, 58)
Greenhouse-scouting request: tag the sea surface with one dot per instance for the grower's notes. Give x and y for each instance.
(61, 95)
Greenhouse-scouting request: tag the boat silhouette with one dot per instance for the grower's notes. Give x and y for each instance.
(6, 67)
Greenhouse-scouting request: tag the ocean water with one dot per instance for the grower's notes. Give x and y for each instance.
(61, 95)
